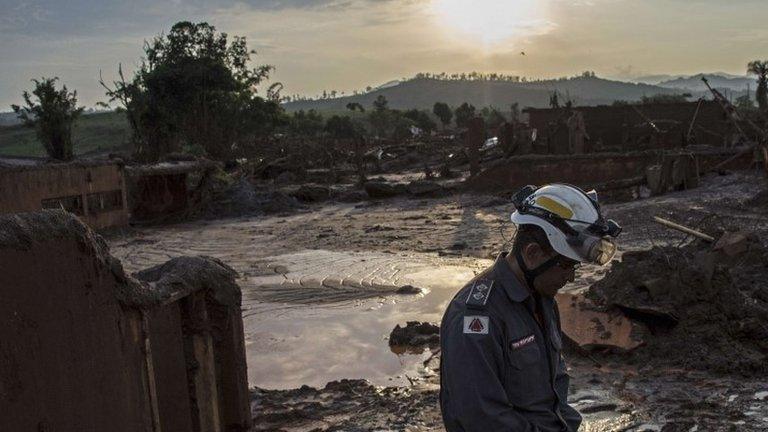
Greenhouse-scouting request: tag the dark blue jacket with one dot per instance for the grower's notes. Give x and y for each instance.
(500, 370)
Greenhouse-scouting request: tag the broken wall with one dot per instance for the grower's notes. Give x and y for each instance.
(622, 128)
(586, 170)
(85, 347)
(155, 196)
(93, 191)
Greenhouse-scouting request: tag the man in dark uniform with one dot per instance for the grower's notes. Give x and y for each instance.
(501, 363)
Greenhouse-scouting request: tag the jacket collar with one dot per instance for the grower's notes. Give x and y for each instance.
(514, 288)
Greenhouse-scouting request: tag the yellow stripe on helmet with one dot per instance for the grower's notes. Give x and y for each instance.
(555, 207)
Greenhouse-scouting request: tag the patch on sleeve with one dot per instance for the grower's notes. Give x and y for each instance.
(478, 295)
(475, 324)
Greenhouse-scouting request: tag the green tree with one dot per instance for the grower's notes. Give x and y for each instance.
(354, 106)
(744, 103)
(195, 88)
(463, 114)
(493, 117)
(306, 123)
(443, 112)
(381, 103)
(52, 115)
(381, 118)
(760, 68)
(420, 119)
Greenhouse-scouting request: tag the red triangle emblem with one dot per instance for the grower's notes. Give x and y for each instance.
(476, 325)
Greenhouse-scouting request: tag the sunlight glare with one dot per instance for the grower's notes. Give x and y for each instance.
(490, 21)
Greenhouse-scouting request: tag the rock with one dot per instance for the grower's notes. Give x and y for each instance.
(459, 245)
(285, 178)
(312, 193)
(425, 188)
(733, 244)
(351, 196)
(278, 202)
(415, 334)
(409, 289)
(378, 189)
(590, 328)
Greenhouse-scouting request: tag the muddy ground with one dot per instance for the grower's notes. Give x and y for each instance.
(302, 335)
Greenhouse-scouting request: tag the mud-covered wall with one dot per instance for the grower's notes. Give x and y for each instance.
(70, 355)
(153, 196)
(84, 347)
(623, 128)
(96, 193)
(587, 170)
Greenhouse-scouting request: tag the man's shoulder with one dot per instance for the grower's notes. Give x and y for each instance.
(477, 295)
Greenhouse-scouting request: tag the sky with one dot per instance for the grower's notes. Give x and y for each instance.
(346, 45)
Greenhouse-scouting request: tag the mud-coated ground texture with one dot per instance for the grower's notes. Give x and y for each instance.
(643, 391)
(705, 310)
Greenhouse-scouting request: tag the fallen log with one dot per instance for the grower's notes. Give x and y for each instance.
(681, 228)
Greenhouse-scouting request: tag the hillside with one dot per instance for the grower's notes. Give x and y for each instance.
(424, 92)
(94, 133)
(721, 81)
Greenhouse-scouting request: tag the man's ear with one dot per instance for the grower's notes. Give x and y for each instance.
(533, 254)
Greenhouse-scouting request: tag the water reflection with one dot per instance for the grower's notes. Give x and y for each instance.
(291, 345)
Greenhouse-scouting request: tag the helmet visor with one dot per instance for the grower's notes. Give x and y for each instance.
(601, 251)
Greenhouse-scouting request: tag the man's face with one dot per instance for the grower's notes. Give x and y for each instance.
(549, 282)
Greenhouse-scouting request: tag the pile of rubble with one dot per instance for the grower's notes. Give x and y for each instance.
(703, 307)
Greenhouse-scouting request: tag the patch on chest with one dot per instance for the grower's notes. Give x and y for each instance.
(519, 343)
(476, 324)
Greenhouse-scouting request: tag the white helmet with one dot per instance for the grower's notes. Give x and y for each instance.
(571, 219)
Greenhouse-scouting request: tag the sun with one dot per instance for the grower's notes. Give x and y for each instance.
(490, 21)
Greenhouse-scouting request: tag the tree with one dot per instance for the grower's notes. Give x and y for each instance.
(760, 68)
(744, 103)
(381, 117)
(381, 103)
(345, 129)
(306, 124)
(354, 106)
(195, 89)
(493, 117)
(52, 115)
(420, 119)
(443, 112)
(463, 114)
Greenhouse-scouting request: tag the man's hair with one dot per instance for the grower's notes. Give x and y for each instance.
(527, 234)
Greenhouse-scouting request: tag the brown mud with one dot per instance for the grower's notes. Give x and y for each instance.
(705, 310)
(348, 338)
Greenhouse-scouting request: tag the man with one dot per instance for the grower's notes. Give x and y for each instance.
(501, 366)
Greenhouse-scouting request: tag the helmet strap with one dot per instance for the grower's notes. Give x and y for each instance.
(532, 274)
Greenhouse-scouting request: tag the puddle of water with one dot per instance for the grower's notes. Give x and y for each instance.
(290, 344)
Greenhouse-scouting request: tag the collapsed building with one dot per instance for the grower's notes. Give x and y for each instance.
(158, 190)
(93, 190)
(83, 346)
(629, 127)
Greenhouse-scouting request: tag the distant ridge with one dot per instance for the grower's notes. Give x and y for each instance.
(422, 93)
(718, 80)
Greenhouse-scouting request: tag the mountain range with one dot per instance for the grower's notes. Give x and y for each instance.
(422, 93)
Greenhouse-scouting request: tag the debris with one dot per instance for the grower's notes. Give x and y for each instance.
(681, 228)
(703, 312)
(425, 188)
(312, 193)
(590, 328)
(409, 289)
(415, 334)
(733, 244)
(380, 189)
